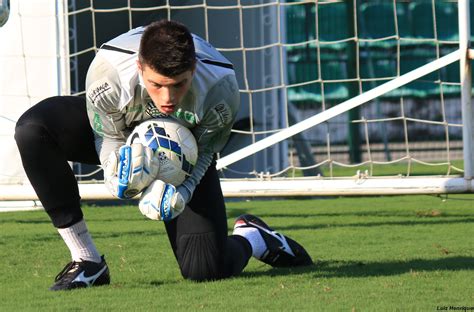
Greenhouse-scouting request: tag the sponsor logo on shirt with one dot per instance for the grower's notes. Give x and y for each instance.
(97, 124)
(98, 91)
(187, 116)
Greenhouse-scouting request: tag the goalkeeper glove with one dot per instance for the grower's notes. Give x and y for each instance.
(130, 170)
(161, 201)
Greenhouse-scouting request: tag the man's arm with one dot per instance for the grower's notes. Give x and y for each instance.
(214, 130)
(103, 92)
(161, 201)
(128, 169)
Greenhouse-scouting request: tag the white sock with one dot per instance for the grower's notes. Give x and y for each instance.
(79, 242)
(255, 239)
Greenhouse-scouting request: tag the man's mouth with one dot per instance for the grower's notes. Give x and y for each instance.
(168, 108)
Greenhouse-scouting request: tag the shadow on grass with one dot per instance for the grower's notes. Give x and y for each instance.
(89, 220)
(235, 212)
(334, 268)
(140, 234)
(160, 283)
(369, 224)
(362, 213)
(283, 271)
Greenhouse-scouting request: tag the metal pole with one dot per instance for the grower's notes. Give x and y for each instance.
(62, 48)
(354, 140)
(466, 85)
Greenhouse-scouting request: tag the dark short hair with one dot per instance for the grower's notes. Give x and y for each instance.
(167, 47)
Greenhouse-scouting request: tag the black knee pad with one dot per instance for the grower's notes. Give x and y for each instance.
(199, 257)
(27, 135)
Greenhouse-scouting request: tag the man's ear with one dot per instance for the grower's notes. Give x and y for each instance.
(139, 65)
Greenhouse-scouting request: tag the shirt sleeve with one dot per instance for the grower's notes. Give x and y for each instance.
(103, 92)
(221, 107)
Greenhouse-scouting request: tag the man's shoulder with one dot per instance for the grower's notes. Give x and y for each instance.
(115, 68)
(127, 43)
(111, 80)
(209, 56)
(212, 68)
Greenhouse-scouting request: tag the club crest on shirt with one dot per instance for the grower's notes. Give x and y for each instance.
(223, 114)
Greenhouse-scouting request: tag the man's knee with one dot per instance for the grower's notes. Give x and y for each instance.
(31, 126)
(199, 257)
(28, 133)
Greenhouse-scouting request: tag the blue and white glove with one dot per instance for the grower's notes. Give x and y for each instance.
(130, 170)
(161, 201)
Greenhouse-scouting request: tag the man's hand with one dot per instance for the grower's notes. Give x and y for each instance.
(161, 201)
(130, 170)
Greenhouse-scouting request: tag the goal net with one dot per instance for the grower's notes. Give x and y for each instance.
(337, 97)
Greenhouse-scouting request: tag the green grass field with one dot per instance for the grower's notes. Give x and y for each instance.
(404, 253)
(403, 168)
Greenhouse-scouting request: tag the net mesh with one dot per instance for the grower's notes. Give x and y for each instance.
(295, 59)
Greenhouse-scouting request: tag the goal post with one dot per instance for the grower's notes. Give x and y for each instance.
(298, 64)
(466, 88)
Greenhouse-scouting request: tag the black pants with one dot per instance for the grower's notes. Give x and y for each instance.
(57, 130)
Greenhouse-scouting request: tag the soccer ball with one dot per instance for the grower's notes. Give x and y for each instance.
(173, 144)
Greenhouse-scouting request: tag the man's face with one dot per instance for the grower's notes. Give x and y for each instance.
(166, 92)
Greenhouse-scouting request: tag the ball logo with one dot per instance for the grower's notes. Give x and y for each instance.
(173, 145)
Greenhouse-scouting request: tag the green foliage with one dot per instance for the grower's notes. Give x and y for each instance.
(401, 253)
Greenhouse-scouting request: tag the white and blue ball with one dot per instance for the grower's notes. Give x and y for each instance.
(173, 144)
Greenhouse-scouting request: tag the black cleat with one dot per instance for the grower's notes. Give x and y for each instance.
(82, 274)
(281, 251)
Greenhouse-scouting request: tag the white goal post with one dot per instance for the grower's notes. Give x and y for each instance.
(299, 85)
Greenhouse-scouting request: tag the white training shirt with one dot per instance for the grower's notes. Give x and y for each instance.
(117, 100)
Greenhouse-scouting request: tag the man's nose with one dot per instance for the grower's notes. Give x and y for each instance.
(167, 96)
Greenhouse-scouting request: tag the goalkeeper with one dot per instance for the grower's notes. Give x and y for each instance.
(158, 71)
